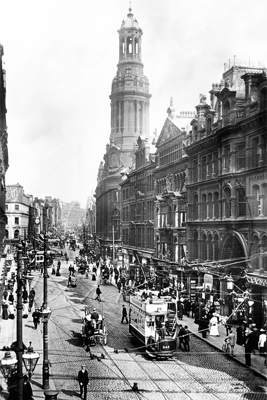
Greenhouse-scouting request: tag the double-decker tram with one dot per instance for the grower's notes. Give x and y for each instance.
(152, 321)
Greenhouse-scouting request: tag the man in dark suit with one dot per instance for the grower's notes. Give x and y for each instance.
(83, 381)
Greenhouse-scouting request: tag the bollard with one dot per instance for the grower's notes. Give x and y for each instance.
(51, 394)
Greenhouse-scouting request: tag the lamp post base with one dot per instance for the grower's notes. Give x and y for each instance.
(45, 376)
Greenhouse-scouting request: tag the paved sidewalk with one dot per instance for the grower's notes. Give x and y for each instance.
(8, 331)
(257, 362)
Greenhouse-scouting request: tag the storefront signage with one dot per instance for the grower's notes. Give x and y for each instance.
(257, 281)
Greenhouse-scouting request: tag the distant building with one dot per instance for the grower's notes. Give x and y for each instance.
(72, 214)
(3, 148)
(17, 212)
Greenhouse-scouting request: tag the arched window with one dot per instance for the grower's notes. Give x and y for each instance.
(209, 205)
(216, 204)
(16, 234)
(241, 202)
(195, 170)
(195, 207)
(256, 205)
(209, 248)
(227, 202)
(216, 247)
(195, 247)
(254, 256)
(204, 206)
(204, 247)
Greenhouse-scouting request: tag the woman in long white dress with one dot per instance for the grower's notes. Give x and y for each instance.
(214, 326)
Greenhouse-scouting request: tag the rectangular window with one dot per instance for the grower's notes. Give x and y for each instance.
(16, 207)
(241, 160)
(6, 207)
(17, 220)
(226, 158)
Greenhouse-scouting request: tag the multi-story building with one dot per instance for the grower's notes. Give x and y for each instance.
(171, 197)
(227, 212)
(90, 216)
(137, 212)
(130, 100)
(3, 148)
(72, 214)
(17, 211)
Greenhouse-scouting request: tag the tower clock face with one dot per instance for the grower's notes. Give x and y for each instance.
(114, 160)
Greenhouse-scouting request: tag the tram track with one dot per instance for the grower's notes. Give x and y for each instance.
(118, 335)
(115, 337)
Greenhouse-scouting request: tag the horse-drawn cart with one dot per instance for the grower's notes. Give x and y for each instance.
(94, 330)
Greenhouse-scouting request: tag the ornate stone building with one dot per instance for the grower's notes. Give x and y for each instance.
(129, 118)
(3, 148)
(137, 212)
(171, 196)
(227, 213)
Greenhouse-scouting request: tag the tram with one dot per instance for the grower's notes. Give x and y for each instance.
(152, 321)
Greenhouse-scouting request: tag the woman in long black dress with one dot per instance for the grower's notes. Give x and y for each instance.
(5, 310)
(239, 335)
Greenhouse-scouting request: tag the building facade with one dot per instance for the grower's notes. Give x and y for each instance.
(137, 213)
(130, 100)
(3, 148)
(226, 222)
(17, 212)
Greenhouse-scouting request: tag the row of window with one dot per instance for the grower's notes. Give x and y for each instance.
(171, 154)
(233, 159)
(16, 207)
(16, 220)
(139, 236)
(234, 203)
(15, 235)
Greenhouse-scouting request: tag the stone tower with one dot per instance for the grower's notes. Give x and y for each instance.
(129, 119)
(130, 91)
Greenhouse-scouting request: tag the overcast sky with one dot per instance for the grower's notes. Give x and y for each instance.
(61, 57)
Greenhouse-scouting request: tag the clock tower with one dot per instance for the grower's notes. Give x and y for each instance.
(129, 119)
(130, 92)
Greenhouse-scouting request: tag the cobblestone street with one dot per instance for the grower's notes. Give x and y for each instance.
(202, 373)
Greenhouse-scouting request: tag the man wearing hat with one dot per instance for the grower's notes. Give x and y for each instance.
(95, 315)
(83, 381)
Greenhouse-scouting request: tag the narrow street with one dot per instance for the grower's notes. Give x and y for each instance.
(204, 372)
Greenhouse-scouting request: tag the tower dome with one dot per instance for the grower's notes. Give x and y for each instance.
(130, 21)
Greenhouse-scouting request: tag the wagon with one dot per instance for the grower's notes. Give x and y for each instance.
(94, 332)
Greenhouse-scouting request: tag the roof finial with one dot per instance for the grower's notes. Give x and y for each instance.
(130, 8)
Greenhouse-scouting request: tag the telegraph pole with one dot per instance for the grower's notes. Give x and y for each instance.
(19, 347)
(45, 325)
